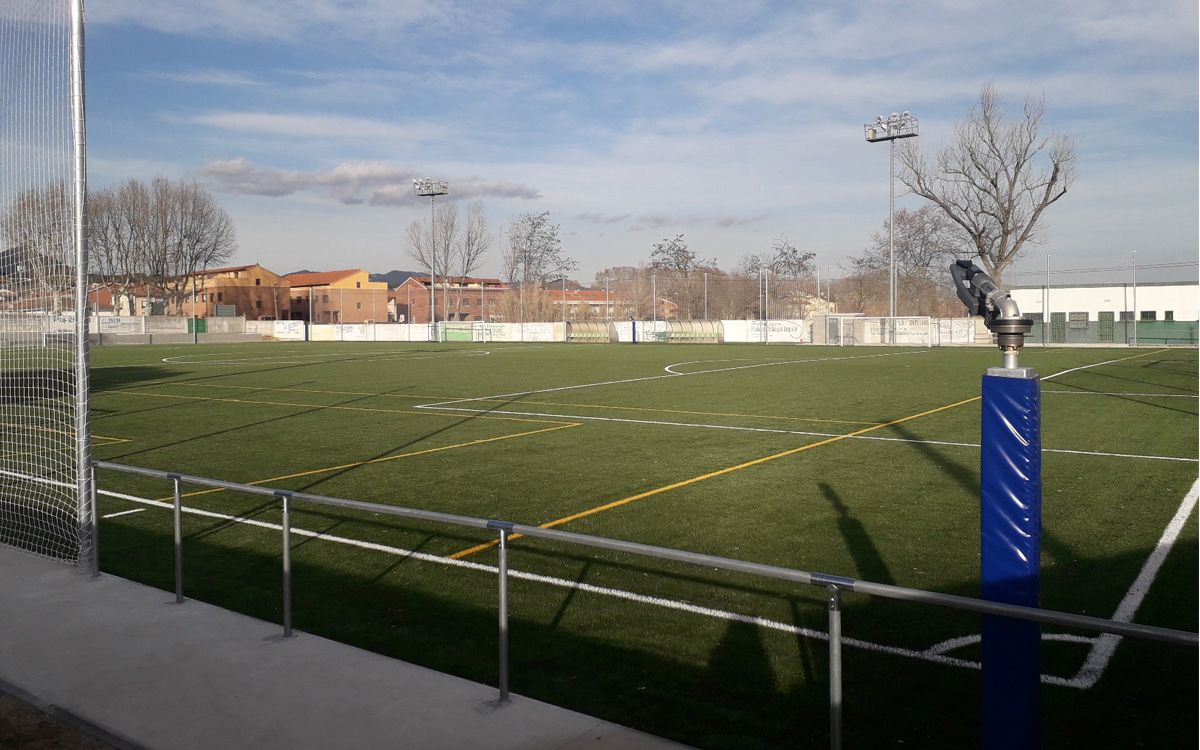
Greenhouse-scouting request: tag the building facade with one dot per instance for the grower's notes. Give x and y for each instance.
(455, 298)
(250, 291)
(347, 296)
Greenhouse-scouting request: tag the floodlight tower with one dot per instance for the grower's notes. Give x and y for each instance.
(890, 129)
(432, 188)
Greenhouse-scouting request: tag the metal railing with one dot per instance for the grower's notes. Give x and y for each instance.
(834, 585)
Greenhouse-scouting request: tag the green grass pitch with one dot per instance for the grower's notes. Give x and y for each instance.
(661, 444)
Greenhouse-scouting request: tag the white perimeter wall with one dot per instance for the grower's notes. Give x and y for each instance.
(1182, 299)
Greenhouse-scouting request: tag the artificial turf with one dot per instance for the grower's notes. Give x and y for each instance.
(514, 439)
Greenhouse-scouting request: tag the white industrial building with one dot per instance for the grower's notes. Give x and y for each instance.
(1158, 301)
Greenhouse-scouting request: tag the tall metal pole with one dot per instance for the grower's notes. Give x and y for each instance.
(1133, 254)
(432, 266)
(706, 295)
(654, 300)
(85, 509)
(891, 233)
(195, 333)
(1046, 307)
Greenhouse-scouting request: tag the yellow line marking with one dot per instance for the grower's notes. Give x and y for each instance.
(410, 454)
(334, 406)
(720, 472)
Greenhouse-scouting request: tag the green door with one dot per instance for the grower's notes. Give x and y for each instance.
(1058, 327)
(1106, 326)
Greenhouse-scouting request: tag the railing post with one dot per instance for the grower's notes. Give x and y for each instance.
(286, 497)
(835, 667)
(178, 521)
(504, 528)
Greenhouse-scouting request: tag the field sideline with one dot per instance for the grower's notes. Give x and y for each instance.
(852, 461)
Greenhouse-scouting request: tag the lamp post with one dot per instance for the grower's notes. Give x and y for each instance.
(894, 127)
(431, 188)
(1133, 256)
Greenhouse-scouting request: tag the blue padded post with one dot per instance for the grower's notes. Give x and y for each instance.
(1011, 531)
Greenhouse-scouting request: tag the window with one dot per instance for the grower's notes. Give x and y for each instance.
(258, 304)
(324, 297)
(258, 282)
(220, 296)
(204, 297)
(1169, 315)
(1149, 314)
(1126, 315)
(357, 305)
(358, 285)
(1079, 320)
(1035, 317)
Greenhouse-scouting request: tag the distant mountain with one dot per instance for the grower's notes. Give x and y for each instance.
(396, 278)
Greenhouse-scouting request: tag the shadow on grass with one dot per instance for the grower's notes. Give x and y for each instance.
(867, 560)
(703, 682)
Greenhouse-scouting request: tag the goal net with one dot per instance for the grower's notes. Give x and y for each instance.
(45, 494)
(855, 331)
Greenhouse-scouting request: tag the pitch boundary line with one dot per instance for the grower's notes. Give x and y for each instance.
(500, 396)
(662, 602)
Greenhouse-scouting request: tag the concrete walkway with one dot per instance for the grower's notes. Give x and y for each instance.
(146, 672)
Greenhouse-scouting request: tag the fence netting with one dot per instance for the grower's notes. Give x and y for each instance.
(41, 401)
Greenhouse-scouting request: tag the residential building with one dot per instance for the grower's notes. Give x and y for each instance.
(456, 298)
(250, 291)
(347, 296)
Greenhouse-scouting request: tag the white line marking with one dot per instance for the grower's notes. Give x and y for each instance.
(1106, 645)
(1138, 395)
(953, 644)
(1098, 364)
(778, 431)
(191, 359)
(124, 513)
(654, 377)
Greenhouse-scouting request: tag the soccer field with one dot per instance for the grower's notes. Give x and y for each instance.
(861, 462)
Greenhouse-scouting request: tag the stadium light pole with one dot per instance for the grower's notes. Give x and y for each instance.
(897, 126)
(431, 188)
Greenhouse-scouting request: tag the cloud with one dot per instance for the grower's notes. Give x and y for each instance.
(317, 126)
(593, 218)
(350, 183)
(206, 77)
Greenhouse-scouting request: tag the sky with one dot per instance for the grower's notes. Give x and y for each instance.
(732, 123)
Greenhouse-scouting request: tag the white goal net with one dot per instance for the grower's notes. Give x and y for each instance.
(45, 504)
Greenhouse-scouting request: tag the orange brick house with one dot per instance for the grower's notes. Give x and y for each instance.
(251, 290)
(347, 296)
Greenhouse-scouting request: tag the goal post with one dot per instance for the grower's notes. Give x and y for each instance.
(46, 495)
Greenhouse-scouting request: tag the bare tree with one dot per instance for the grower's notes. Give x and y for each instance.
(117, 241)
(198, 235)
(469, 251)
(782, 260)
(433, 244)
(996, 179)
(925, 243)
(39, 241)
(680, 264)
